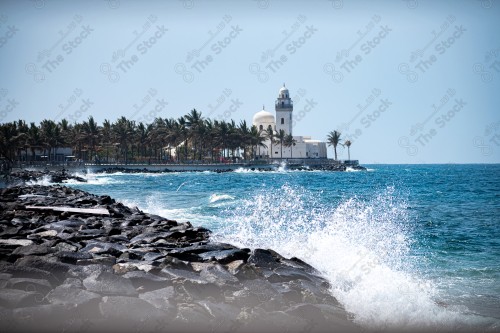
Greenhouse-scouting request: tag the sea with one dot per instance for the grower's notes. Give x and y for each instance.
(403, 246)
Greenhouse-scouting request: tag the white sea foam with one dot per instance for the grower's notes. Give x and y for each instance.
(361, 247)
(45, 180)
(220, 197)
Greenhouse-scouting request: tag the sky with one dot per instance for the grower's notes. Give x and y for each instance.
(406, 81)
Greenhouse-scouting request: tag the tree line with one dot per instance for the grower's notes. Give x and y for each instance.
(185, 139)
(188, 138)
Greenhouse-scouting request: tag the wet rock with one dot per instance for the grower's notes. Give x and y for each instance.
(109, 284)
(70, 296)
(40, 286)
(263, 258)
(162, 299)
(136, 309)
(224, 256)
(144, 281)
(218, 274)
(73, 257)
(56, 270)
(32, 249)
(15, 298)
(15, 242)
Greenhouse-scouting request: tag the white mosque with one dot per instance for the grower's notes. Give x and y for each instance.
(303, 147)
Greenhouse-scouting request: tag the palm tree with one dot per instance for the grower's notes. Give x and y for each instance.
(34, 139)
(333, 139)
(194, 123)
(256, 139)
(106, 137)
(244, 133)
(270, 136)
(280, 138)
(123, 130)
(290, 142)
(51, 136)
(92, 133)
(347, 144)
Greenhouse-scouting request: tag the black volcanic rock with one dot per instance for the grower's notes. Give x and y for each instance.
(129, 271)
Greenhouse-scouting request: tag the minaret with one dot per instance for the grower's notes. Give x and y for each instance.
(284, 109)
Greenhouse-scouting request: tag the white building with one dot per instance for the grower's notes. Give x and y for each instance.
(304, 146)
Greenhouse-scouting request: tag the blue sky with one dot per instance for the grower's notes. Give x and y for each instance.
(406, 81)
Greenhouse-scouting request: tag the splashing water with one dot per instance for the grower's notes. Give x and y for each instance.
(361, 246)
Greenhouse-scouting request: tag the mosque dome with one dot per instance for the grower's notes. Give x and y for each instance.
(263, 118)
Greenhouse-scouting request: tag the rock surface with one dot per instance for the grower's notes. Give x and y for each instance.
(135, 272)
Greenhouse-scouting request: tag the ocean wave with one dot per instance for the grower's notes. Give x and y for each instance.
(361, 246)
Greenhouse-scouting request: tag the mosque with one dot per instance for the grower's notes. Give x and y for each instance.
(302, 147)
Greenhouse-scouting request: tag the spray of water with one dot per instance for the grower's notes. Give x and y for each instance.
(360, 245)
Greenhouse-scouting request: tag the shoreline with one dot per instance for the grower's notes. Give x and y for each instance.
(126, 270)
(307, 165)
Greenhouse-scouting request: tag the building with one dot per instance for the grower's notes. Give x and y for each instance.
(303, 147)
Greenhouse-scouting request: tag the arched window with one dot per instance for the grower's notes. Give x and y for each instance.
(261, 127)
(282, 121)
(283, 104)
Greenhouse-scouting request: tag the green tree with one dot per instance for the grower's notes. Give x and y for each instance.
(280, 137)
(334, 139)
(290, 143)
(270, 135)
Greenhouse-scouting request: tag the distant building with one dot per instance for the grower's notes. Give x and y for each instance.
(304, 146)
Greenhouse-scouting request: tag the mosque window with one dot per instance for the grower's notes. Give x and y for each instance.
(282, 103)
(282, 121)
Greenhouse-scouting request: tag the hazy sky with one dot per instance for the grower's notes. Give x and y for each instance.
(408, 81)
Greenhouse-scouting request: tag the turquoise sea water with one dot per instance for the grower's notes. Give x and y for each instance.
(402, 245)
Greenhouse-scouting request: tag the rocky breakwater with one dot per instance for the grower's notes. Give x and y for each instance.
(73, 261)
(59, 176)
